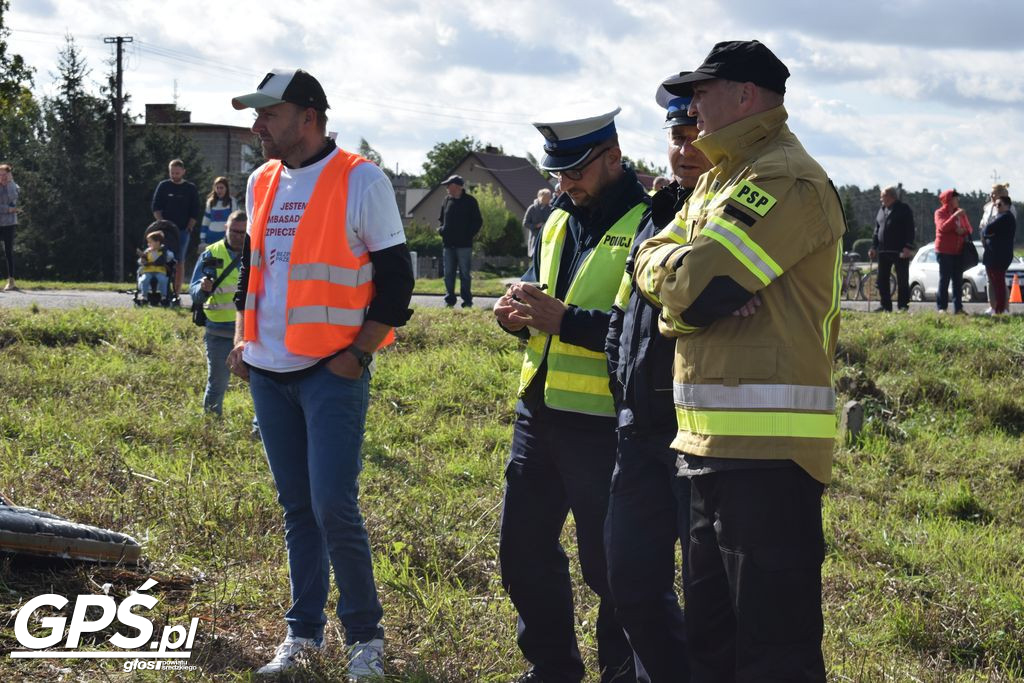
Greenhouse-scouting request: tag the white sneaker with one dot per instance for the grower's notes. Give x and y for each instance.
(365, 660)
(989, 311)
(288, 654)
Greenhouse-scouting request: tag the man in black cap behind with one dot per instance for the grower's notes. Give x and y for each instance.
(649, 508)
(460, 222)
(746, 277)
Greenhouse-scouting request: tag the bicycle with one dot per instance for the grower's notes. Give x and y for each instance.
(857, 285)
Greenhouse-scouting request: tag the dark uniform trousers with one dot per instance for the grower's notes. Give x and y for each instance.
(753, 608)
(649, 511)
(887, 262)
(556, 467)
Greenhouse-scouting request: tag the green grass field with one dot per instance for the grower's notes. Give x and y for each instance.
(100, 422)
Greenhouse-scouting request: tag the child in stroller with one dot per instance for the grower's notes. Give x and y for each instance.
(156, 267)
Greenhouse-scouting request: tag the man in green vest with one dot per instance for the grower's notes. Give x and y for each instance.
(214, 282)
(563, 448)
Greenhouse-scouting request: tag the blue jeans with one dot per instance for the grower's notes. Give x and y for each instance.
(217, 373)
(949, 271)
(312, 430)
(460, 257)
(184, 238)
(161, 283)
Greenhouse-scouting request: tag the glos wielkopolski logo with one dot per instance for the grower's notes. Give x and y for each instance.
(175, 642)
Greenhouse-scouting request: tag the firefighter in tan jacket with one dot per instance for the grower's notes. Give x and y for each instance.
(747, 280)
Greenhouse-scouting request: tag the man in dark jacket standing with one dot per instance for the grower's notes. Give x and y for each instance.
(177, 200)
(893, 245)
(460, 222)
(998, 239)
(649, 507)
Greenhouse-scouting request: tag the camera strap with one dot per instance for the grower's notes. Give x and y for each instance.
(227, 271)
(220, 278)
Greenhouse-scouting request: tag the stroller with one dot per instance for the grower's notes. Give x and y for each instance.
(152, 296)
(156, 273)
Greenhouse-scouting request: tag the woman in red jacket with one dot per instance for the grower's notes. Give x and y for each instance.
(952, 229)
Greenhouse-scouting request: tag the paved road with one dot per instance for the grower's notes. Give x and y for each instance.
(73, 298)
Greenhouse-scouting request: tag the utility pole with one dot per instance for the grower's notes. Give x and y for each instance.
(118, 160)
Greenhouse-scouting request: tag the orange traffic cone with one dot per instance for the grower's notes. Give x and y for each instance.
(1015, 297)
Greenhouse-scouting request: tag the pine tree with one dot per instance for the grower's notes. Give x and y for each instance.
(71, 188)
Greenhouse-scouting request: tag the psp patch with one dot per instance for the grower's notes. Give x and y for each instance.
(753, 197)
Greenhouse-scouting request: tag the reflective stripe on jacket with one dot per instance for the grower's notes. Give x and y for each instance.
(767, 218)
(329, 288)
(220, 304)
(577, 378)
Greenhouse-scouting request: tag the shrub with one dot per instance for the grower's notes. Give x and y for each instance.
(501, 233)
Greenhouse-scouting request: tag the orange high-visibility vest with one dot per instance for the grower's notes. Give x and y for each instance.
(329, 287)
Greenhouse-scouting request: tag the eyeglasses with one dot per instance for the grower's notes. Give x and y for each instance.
(577, 172)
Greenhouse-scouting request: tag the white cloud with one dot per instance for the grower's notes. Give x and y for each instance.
(923, 91)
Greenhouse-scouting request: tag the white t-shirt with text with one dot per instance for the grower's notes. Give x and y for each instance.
(372, 223)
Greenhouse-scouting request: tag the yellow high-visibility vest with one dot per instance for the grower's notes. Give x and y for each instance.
(577, 378)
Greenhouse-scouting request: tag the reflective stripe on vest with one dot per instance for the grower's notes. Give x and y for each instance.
(329, 287)
(577, 378)
(766, 410)
(220, 305)
(333, 274)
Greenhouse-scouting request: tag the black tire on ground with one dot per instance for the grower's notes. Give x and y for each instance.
(917, 292)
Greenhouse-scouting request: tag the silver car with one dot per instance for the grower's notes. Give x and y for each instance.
(924, 276)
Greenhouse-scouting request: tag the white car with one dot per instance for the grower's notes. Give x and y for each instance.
(924, 276)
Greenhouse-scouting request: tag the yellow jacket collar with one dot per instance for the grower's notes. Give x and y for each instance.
(742, 139)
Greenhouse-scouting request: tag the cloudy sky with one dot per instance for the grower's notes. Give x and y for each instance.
(929, 93)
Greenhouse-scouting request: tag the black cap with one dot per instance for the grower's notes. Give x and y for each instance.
(454, 180)
(285, 85)
(742, 61)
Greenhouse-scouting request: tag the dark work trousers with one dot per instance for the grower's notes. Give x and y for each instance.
(7, 238)
(753, 606)
(648, 513)
(556, 467)
(887, 262)
(950, 272)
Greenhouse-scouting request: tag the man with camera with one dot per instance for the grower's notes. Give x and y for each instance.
(213, 286)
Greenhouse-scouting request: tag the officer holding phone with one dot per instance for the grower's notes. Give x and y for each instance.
(563, 447)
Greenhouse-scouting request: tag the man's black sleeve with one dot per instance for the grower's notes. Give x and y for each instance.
(908, 228)
(393, 284)
(585, 327)
(476, 220)
(611, 349)
(157, 204)
(197, 212)
(243, 276)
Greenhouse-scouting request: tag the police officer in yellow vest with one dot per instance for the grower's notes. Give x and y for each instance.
(747, 280)
(219, 306)
(563, 448)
